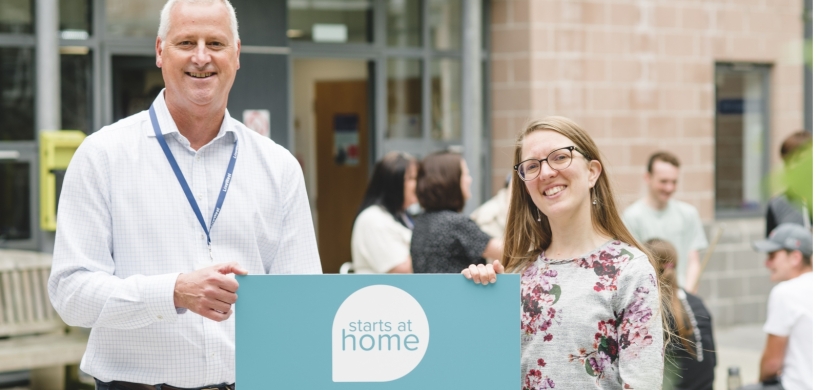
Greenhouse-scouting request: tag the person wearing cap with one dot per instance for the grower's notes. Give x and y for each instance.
(787, 358)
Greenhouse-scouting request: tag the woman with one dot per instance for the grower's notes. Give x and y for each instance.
(589, 297)
(444, 240)
(690, 354)
(382, 230)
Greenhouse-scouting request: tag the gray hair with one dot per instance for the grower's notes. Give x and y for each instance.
(165, 17)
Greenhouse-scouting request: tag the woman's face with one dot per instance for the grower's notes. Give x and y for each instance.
(561, 192)
(466, 180)
(410, 185)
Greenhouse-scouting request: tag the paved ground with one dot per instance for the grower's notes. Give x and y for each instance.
(739, 346)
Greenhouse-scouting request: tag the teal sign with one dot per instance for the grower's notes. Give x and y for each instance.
(377, 332)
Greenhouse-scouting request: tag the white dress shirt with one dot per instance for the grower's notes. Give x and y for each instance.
(126, 231)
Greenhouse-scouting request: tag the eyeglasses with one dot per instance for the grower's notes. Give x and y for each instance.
(558, 159)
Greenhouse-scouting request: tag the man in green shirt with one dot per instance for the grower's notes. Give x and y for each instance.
(659, 216)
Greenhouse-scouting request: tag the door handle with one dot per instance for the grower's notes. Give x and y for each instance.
(9, 155)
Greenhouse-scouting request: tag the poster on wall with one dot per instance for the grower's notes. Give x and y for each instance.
(257, 120)
(346, 139)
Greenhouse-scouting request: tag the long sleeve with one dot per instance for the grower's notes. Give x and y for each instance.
(83, 287)
(640, 329)
(296, 252)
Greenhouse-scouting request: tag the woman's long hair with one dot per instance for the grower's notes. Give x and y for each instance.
(526, 237)
(386, 187)
(666, 258)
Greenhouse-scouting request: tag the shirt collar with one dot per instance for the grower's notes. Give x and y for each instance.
(167, 124)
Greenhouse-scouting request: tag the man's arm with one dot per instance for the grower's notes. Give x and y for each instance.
(692, 271)
(296, 252)
(771, 363)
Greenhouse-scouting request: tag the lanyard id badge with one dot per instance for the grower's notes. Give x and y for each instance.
(226, 182)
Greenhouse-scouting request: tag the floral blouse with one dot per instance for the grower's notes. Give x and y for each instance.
(591, 322)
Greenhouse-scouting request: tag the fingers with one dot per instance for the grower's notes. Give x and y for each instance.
(498, 267)
(481, 273)
(231, 268)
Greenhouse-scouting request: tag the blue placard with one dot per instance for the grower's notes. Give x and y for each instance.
(377, 332)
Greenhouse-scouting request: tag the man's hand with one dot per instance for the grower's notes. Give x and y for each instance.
(209, 292)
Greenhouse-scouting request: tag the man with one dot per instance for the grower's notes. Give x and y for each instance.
(145, 249)
(789, 206)
(659, 216)
(789, 319)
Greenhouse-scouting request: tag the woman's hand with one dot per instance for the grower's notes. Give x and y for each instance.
(483, 273)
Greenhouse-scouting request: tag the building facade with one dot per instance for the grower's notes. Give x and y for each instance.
(339, 83)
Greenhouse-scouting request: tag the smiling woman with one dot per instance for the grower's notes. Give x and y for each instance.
(566, 239)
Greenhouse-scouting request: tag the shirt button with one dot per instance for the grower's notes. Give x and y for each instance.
(160, 317)
(202, 236)
(197, 158)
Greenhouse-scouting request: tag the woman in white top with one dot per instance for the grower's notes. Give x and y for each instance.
(382, 230)
(590, 308)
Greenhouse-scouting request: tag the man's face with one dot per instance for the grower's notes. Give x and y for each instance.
(662, 181)
(782, 264)
(199, 57)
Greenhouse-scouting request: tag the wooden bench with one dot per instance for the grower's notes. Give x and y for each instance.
(32, 335)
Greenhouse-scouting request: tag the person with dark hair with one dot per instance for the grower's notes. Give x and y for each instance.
(788, 206)
(590, 308)
(690, 352)
(444, 240)
(787, 360)
(658, 215)
(382, 230)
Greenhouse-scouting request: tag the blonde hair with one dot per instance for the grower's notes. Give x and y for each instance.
(526, 237)
(666, 260)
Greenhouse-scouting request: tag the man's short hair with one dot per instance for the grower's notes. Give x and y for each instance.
(662, 156)
(165, 17)
(794, 142)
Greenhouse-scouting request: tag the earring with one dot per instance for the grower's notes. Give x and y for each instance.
(539, 215)
(594, 201)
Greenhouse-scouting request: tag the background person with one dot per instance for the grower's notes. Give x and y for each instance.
(690, 352)
(491, 216)
(382, 230)
(444, 240)
(787, 357)
(134, 259)
(590, 309)
(788, 206)
(657, 215)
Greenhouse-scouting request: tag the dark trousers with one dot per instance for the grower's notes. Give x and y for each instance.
(116, 385)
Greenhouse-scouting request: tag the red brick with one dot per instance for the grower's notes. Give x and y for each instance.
(499, 12)
(729, 20)
(679, 99)
(570, 40)
(644, 42)
(595, 69)
(511, 41)
(628, 70)
(643, 98)
(545, 69)
(747, 48)
(500, 71)
(543, 40)
(695, 18)
(661, 127)
(697, 73)
(571, 69)
(569, 98)
(521, 69)
(624, 14)
(594, 12)
(627, 126)
(517, 98)
(697, 181)
(665, 17)
(679, 45)
(698, 126)
(521, 11)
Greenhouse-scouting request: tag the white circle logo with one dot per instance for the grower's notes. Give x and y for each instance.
(380, 334)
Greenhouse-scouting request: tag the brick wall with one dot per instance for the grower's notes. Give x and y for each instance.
(639, 76)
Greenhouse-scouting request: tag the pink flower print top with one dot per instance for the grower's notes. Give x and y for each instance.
(591, 322)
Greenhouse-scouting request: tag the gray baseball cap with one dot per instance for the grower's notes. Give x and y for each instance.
(789, 236)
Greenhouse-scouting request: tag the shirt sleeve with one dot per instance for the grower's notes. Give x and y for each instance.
(779, 316)
(699, 240)
(384, 245)
(471, 237)
(82, 287)
(640, 329)
(296, 251)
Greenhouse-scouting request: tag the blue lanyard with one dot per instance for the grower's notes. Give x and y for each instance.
(226, 182)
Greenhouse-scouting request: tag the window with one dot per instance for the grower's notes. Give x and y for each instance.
(17, 98)
(331, 21)
(404, 98)
(75, 89)
(15, 199)
(132, 18)
(75, 19)
(741, 129)
(16, 17)
(404, 23)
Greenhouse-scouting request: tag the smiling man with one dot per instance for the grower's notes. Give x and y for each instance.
(158, 211)
(657, 215)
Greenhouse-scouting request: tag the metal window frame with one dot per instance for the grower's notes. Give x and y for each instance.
(765, 70)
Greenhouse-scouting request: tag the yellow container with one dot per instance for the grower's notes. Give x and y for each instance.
(56, 150)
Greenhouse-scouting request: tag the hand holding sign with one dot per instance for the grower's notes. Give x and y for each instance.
(209, 291)
(483, 273)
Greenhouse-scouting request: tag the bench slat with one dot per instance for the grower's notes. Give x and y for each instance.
(49, 309)
(38, 287)
(7, 297)
(28, 303)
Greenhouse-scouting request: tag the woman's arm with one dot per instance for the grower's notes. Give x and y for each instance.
(494, 250)
(406, 267)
